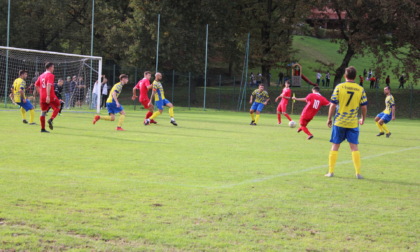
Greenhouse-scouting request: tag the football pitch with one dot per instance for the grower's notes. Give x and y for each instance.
(214, 183)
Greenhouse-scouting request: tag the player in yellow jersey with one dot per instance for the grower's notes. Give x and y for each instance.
(161, 101)
(387, 115)
(346, 101)
(19, 97)
(113, 105)
(261, 99)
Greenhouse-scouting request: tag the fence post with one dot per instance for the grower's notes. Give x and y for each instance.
(189, 90)
(135, 79)
(233, 94)
(173, 84)
(113, 75)
(220, 86)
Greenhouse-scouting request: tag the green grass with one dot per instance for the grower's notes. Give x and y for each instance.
(311, 50)
(214, 183)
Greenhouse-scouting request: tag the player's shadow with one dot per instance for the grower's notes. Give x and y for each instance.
(376, 180)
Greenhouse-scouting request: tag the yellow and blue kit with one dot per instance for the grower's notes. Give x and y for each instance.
(111, 104)
(386, 115)
(160, 99)
(20, 84)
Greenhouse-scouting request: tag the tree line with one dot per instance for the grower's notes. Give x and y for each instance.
(125, 31)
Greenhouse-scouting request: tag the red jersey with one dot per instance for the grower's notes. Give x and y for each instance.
(287, 92)
(142, 85)
(314, 102)
(41, 83)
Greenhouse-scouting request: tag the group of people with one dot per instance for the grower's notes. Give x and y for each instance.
(346, 101)
(325, 81)
(113, 105)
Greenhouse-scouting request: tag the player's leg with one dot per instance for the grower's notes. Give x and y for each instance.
(29, 107)
(55, 105)
(121, 120)
(283, 109)
(381, 130)
(337, 137)
(171, 112)
(159, 105)
(251, 112)
(304, 123)
(23, 113)
(279, 114)
(352, 136)
(44, 107)
(258, 112)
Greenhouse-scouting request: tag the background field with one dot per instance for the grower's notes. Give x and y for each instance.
(212, 183)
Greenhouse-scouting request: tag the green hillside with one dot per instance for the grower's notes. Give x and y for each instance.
(312, 50)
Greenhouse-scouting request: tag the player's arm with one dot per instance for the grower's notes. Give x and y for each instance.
(364, 113)
(331, 112)
(393, 112)
(134, 93)
(22, 94)
(278, 97)
(299, 99)
(268, 99)
(47, 100)
(250, 99)
(114, 96)
(151, 96)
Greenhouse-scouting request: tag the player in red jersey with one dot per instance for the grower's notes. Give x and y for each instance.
(285, 96)
(144, 85)
(47, 98)
(314, 102)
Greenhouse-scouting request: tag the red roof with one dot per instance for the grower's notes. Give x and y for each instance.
(326, 13)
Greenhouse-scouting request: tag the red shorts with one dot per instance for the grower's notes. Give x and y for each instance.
(145, 102)
(304, 121)
(54, 104)
(282, 107)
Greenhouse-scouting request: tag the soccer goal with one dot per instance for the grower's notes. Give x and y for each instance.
(78, 72)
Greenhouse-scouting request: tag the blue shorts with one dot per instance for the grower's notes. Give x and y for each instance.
(161, 103)
(26, 105)
(340, 134)
(385, 117)
(112, 108)
(256, 106)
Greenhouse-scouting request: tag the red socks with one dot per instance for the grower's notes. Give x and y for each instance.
(149, 114)
(42, 119)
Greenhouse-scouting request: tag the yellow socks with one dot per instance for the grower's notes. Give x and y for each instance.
(154, 115)
(23, 113)
(31, 115)
(121, 120)
(385, 128)
(253, 117)
(171, 112)
(356, 161)
(380, 127)
(257, 118)
(106, 118)
(332, 160)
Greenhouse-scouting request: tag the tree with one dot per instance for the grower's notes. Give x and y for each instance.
(387, 28)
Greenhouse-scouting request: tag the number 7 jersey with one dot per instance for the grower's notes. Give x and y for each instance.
(348, 97)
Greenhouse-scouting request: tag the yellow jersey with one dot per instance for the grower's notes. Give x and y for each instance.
(348, 97)
(19, 84)
(116, 88)
(157, 87)
(260, 97)
(389, 103)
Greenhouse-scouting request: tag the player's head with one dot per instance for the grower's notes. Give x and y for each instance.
(60, 82)
(49, 66)
(261, 87)
(74, 77)
(68, 78)
(147, 75)
(387, 90)
(158, 76)
(23, 74)
(124, 78)
(350, 73)
(315, 89)
(287, 84)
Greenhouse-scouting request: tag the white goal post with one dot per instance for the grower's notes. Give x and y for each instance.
(83, 71)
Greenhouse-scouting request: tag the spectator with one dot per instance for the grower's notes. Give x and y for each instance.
(364, 73)
(67, 91)
(327, 78)
(259, 79)
(402, 81)
(281, 76)
(370, 74)
(80, 91)
(104, 91)
(73, 91)
(377, 82)
(318, 78)
(372, 82)
(252, 78)
(361, 80)
(387, 81)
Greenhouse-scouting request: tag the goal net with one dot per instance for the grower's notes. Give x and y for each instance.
(77, 72)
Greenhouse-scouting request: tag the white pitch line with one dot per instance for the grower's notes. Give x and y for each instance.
(257, 180)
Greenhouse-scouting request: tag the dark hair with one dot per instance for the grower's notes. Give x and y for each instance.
(388, 87)
(48, 65)
(261, 84)
(351, 73)
(288, 82)
(147, 72)
(22, 72)
(122, 76)
(316, 88)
